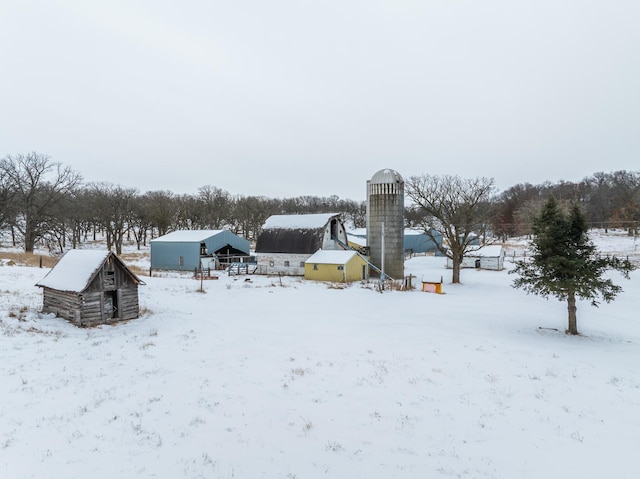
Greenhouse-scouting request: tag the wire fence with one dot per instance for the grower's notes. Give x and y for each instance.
(629, 249)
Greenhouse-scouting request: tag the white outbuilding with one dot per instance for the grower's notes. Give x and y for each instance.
(487, 257)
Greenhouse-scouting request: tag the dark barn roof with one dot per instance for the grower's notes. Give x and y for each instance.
(295, 234)
(295, 241)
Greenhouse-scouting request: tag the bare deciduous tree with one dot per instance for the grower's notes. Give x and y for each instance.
(216, 205)
(38, 186)
(114, 210)
(250, 213)
(457, 208)
(161, 208)
(7, 196)
(626, 187)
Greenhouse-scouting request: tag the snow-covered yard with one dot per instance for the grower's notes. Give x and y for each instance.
(293, 379)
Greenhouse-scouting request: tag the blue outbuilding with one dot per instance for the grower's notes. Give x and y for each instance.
(414, 240)
(187, 250)
(417, 241)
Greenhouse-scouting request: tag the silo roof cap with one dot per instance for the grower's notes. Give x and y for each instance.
(387, 176)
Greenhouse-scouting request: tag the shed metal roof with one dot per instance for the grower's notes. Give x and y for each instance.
(359, 240)
(312, 221)
(326, 256)
(187, 236)
(488, 251)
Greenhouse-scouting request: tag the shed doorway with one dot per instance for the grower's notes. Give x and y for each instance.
(110, 305)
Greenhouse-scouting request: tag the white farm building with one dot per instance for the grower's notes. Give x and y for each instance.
(487, 257)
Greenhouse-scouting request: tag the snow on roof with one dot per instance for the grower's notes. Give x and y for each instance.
(362, 232)
(188, 235)
(74, 270)
(313, 221)
(413, 232)
(486, 251)
(359, 240)
(331, 256)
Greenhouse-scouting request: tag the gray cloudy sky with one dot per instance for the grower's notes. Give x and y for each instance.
(286, 98)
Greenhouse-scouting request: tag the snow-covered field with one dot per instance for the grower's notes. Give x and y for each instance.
(294, 379)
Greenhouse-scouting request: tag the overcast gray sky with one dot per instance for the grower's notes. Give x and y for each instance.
(286, 98)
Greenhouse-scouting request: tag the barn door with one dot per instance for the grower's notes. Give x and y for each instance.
(110, 309)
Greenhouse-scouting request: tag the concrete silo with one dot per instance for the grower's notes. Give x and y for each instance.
(385, 222)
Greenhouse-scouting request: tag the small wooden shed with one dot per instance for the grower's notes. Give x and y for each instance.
(91, 287)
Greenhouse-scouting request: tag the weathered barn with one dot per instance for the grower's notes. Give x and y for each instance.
(187, 250)
(338, 266)
(90, 287)
(287, 241)
(487, 257)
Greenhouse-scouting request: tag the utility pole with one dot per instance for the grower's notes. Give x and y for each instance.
(382, 257)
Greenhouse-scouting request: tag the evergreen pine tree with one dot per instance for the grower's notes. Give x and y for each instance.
(565, 263)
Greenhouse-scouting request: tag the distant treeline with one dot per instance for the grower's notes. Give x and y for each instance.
(608, 200)
(45, 204)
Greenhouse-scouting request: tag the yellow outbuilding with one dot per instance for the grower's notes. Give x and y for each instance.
(338, 266)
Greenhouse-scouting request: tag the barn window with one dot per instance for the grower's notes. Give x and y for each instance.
(180, 260)
(340, 267)
(286, 263)
(315, 266)
(302, 264)
(109, 278)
